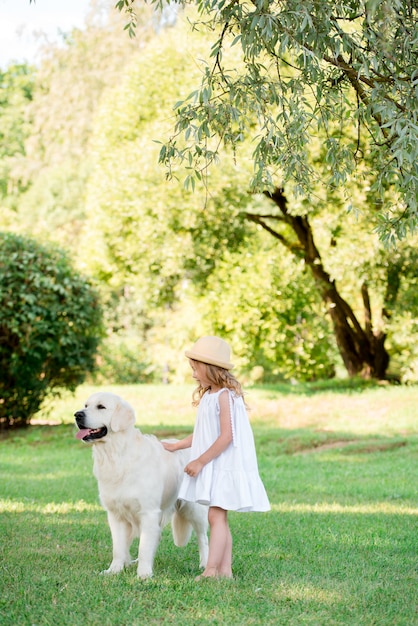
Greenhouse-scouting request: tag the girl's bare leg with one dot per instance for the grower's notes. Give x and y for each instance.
(225, 567)
(220, 545)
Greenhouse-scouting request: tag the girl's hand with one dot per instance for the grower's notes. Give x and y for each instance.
(171, 447)
(180, 444)
(193, 468)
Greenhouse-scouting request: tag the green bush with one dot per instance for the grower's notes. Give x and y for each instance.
(50, 327)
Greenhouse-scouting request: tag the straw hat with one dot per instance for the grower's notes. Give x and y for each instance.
(211, 350)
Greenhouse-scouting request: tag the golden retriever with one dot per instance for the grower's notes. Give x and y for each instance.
(138, 484)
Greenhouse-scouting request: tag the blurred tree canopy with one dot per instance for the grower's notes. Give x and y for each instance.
(54, 165)
(17, 84)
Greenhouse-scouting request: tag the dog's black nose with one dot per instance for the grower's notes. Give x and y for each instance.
(79, 415)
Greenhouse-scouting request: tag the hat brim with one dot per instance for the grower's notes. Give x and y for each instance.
(208, 360)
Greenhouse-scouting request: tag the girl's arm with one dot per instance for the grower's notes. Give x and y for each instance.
(178, 445)
(220, 444)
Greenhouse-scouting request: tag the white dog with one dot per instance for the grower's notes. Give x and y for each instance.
(138, 484)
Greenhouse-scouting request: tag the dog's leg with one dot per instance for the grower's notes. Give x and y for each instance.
(200, 526)
(149, 539)
(121, 539)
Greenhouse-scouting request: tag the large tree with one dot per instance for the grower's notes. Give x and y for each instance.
(362, 348)
(308, 66)
(156, 235)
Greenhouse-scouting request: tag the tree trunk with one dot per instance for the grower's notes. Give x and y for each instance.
(362, 351)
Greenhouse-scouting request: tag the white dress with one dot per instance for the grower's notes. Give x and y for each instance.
(230, 481)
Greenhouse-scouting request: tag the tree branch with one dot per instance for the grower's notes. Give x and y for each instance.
(367, 310)
(259, 219)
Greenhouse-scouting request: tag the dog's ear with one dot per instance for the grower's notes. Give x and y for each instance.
(123, 417)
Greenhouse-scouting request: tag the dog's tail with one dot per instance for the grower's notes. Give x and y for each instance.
(188, 516)
(180, 524)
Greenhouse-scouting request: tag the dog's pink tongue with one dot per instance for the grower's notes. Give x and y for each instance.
(82, 433)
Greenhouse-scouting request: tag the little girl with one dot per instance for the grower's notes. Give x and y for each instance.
(223, 472)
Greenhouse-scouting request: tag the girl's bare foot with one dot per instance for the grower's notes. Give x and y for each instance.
(216, 575)
(210, 572)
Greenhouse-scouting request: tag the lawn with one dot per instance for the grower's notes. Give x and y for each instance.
(339, 546)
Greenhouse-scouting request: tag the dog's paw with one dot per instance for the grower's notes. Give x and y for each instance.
(106, 572)
(114, 568)
(143, 573)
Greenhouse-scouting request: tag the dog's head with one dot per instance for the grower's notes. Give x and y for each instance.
(103, 413)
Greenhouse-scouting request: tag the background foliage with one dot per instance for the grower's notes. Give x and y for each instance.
(174, 260)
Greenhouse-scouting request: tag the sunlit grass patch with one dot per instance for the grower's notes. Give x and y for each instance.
(51, 508)
(306, 593)
(387, 508)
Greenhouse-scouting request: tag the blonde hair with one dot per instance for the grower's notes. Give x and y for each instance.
(219, 377)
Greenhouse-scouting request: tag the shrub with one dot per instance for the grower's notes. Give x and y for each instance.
(50, 327)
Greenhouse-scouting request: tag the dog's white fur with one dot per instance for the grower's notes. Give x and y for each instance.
(138, 484)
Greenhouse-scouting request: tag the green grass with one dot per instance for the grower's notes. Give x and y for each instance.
(339, 546)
